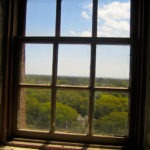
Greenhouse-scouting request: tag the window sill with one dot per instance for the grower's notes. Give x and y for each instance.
(27, 144)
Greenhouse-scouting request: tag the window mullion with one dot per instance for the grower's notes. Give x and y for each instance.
(94, 18)
(93, 64)
(92, 83)
(55, 64)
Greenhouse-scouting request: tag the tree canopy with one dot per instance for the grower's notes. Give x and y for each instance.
(72, 108)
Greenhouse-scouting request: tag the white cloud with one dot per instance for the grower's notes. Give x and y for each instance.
(114, 10)
(87, 11)
(85, 15)
(113, 19)
(86, 33)
(105, 31)
(114, 28)
(121, 25)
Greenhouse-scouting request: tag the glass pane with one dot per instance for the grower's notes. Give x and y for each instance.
(73, 64)
(36, 66)
(113, 18)
(112, 66)
(34, 112)
(76, 18)
(40, 18)
(72, 111)
(111, 113)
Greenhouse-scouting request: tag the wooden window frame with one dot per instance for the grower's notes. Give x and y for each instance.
(14, 40)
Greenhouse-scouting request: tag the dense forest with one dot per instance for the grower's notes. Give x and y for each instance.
(72, 106)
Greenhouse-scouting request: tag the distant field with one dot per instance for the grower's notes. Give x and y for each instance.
(107, 82)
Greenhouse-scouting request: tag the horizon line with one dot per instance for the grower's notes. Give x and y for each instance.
(79, 76)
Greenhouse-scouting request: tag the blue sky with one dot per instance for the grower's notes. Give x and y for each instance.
(74, 60)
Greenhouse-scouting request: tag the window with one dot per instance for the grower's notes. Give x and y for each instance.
(75, 71)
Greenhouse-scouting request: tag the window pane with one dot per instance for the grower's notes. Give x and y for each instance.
(73, 64)
(40, 17)
(112, 66)
(36, 66)
(111, 113)
(72, 111)
(113, 18)
(76, 18)
(34, 112)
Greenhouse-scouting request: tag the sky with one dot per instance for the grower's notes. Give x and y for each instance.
(74, 59)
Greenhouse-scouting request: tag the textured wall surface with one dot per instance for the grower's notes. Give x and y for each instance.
(1, 35)
(147, 110)
(147, 106)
